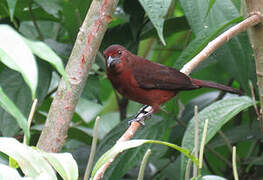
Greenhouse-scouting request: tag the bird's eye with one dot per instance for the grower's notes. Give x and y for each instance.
(119, 52)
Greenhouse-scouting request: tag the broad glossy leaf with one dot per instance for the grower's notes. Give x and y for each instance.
(121, 146)
(154, 129)
(30, 161)
(211, 3)
(200, 41)
(11, 6)
(11, 108)
(236, 53)
(15, 50)
(236, 134)
(15, 88)
(218, 114)
(87, 109)
(46, 53)
(64, 164)
(157, 10)
(9, 173)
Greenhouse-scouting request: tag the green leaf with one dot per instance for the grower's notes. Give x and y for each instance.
(157, 11)
(154, 129)
(30, 161)
(237, 53)
(46, 53)
(11, 6)
(218, 114)
(16, 55)
(171, 26)
(201, 41)
(9, 173)
(211, 3)
(11, 108)
(64, 164)
(121, 146)
(50, 6)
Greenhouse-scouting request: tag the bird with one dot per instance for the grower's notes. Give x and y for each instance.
(147, 82)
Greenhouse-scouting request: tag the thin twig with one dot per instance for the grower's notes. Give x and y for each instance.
(143, 164)
(234, 163)
(202, 146)
(196, 139)
(189, 67)
(93, 149)
(40, 36)
(220, 40)
(225, 139)
(219, 156)
(30, 118)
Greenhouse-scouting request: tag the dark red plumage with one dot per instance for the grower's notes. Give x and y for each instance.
(147, 82)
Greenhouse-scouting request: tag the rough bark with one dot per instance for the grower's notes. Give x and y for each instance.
(83, 54)
(256, 40)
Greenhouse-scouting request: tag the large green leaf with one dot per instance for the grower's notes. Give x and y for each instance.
(16, 55)
(218, 114)
(171, 26)
(157, 11)
(46, 53)
(64, 164)
(237, 53)
(15, 88)
(121, 146)
(10, 107)
(154, 129)
(30, 161)
(9, 173)
(37, 164)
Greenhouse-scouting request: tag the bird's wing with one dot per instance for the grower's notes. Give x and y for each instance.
(150, 75)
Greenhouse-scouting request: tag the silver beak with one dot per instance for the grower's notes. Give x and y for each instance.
(111, 60)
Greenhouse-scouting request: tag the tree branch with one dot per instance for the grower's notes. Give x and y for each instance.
(256, 39)
(187, 69)
(83, 54)
(220, 40)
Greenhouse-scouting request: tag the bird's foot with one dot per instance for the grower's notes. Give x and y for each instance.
(143, 114)
(139, 120)
(142, 110)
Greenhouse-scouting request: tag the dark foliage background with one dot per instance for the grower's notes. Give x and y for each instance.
(188, 27)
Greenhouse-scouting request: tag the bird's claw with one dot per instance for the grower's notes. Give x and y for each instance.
(141, 116)
(139, 120)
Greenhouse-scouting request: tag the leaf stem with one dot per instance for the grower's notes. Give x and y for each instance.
(93, 149)
(30, 118)
(143, 164)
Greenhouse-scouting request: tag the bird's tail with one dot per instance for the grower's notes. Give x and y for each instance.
(209, 84)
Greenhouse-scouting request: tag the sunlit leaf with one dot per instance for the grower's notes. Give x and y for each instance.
(30, 161)
(64, 164)
(46, 53)
(16, 55)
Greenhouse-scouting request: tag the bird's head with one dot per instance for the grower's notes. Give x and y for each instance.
(116, 58)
